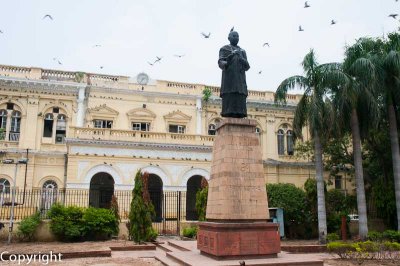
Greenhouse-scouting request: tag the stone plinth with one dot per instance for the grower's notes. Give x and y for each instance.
(236, 189)
(237, 206)
(227, 240)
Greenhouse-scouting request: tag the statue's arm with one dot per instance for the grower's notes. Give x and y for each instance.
(245, 63)
(223, 59)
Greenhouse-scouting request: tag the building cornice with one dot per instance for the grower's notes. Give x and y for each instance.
(128, 144)
(273, 162)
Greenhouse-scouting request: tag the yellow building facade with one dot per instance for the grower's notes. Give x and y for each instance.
(89, 131)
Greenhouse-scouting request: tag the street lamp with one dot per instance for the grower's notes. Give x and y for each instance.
(11, 161)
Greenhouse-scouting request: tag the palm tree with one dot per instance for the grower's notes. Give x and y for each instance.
(355, 103)
(314, 109)
(390, 89)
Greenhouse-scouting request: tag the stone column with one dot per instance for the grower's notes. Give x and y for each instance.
(198, 118)
(81, 107)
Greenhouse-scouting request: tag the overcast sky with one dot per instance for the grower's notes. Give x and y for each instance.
(132, 33)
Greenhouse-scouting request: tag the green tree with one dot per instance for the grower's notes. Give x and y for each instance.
(390, 90)
(141, 212)
(314, 109)
(355, 102)
(201, 200)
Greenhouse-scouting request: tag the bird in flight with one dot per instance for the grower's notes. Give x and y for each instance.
(206, 35)
(151, 64)
(48, 16)
(306, 5)
(158, 59)
(259, 72)
(266, 44)
(300, 28)
(393, 15)
(1, 31)
(97, 45)
(333, 22)
(58, 61)
(101, 67)
(179, 55)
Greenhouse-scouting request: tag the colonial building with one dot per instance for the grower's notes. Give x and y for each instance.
(92, 132)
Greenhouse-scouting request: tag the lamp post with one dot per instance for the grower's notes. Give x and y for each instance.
(11, 225)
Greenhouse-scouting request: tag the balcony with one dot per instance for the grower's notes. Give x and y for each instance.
(139, 136)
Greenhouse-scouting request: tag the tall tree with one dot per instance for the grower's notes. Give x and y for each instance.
(314, 109)
(390, 89)
(357, 108)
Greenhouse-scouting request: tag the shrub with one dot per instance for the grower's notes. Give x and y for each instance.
(343, 250)
(99, 223)
(67, 223)
(391, 235)
(392, 246)
(201, 203)
(375, 236)
(115, 208)
(28, 226)
(141, 212)
(332, 237)
(153, 234)
(190, 232)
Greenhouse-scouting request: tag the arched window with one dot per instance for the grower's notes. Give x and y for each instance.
(15, 125)
(281, 140)
(4, 186)
(3, 119)
(211, 129)
(289, 142)
(258, 131)
(48, 125)
(49, 194)
(3, 123)
(61, 128)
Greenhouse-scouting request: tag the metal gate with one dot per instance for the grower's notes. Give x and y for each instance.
(170, 209)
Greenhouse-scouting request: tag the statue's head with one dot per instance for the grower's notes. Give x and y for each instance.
(233, 37)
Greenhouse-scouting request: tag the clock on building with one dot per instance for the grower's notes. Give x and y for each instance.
(142, 78)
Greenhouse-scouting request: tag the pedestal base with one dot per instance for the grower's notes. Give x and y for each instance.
(227, 240)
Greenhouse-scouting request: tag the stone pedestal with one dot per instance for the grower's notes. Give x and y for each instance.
(237, 206)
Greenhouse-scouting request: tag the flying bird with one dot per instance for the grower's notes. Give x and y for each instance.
(1, 31)
(300, 28)
(266, 44)
(333, 22)
(151, 64)
(59, 62)
(97, 45)
(259, 72)
(206, 35)
(55, 59)
(158, 59)
(393, 15)
(306, 5)
(48, 16)
(101, 67)
(179, 55)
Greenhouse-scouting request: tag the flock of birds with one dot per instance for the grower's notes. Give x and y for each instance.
(205, 36)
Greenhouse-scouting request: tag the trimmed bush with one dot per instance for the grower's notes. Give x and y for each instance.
(343, 250)
(190, 232)
(375, 236)
(27, 227)
(67, 223)
(99, 223)
(332, 237)
(392, 235)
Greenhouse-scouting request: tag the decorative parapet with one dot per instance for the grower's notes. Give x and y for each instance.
(139, 136)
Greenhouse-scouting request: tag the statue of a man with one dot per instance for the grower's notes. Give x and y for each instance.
(233, 62)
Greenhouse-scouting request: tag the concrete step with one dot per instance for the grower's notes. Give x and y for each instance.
(165, 260)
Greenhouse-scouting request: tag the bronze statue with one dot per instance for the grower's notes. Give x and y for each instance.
(233, 62)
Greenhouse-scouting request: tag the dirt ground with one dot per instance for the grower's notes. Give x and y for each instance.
(99, 262)
(339, 262)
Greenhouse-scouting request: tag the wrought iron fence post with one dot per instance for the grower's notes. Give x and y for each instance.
(178, 219)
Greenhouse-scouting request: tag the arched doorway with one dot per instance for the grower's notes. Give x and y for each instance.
(155, 186)
(101, 190)
(193, 185)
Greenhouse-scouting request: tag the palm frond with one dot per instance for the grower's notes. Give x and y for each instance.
(300, 116)
(288, 84)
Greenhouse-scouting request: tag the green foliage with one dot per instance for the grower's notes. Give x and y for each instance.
(99, 223)
(27, 227)
(340, 248)
(295, 207)
(190, 232)
(201, 203)
(383, 194)
(79, 76)
(207, 94)
(392, 235)
(375, 236)
(332, 237)
(365, 250)
(2, 134)
(67, 223)
(392, 246)
(114, 207)
(76, 224)
(141, 212)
